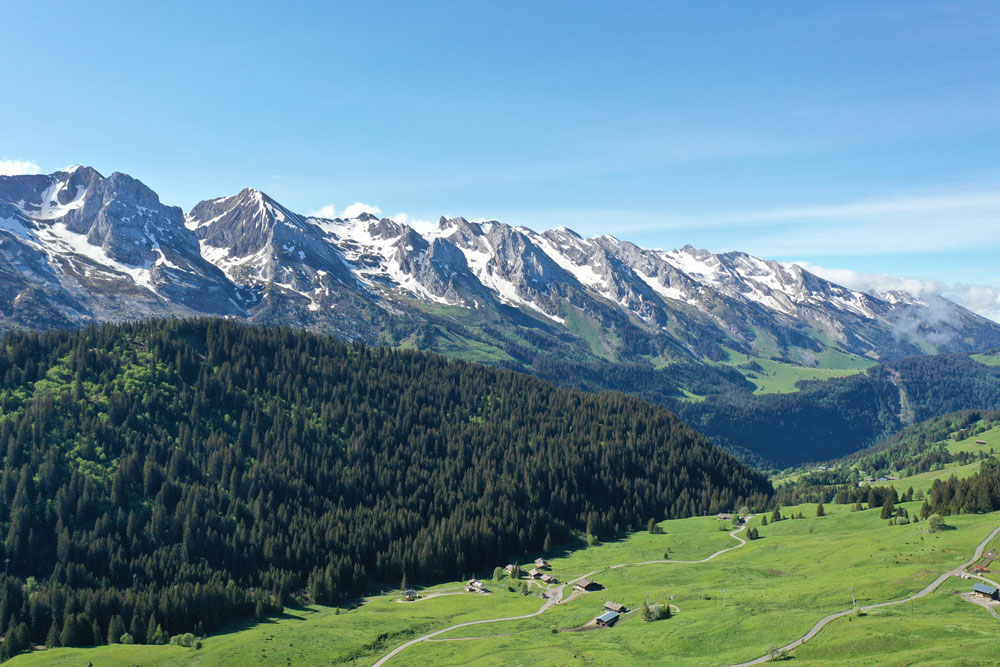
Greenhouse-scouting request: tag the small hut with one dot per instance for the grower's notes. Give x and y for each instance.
(607, 619)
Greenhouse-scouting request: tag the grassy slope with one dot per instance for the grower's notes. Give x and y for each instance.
(777, 588)
(925, 480)
(988, 359)
(779, 377)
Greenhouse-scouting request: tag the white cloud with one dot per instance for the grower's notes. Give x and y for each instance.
(357, 208)
(935, 219)
(352, 211)
(328, 211)
(421, 226)
(981, 299)
(19, 167)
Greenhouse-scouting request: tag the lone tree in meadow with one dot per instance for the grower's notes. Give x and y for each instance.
(776, 514)
(820, 510)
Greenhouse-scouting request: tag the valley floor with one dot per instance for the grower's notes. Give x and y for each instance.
(736, 607)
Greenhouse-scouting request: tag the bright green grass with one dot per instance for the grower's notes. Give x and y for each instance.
(602, 343)
(938, 629)
(990, 437)
(779, 377)
(923, 481)
(988, 359)
(776, 589)
(455, 346)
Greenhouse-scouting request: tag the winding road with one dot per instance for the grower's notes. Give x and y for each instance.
(556, 594)
(930, 588)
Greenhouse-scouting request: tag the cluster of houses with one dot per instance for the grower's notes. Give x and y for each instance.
(536, 572)
(612, 610)
(883, 478)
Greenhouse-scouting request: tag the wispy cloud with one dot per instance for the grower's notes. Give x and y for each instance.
(352, 211)
(19, 167)
(981, 299)
(945, 219)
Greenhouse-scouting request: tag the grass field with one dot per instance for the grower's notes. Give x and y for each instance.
(988, 359)
(924, 481)
(778, 377)
(776, 588)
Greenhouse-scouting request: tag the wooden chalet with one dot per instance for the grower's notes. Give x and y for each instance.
(510, 569)
(548, 579)
(587, 585)
(987, 591)
(607, 619)
(615, 607)
(724, 517)
(475, 586)
(980, 442)
(541, 564)
(534, 573)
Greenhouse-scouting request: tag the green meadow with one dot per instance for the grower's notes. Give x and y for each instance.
(776, 588)
(777, 377)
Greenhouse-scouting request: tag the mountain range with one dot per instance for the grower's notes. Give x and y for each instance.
(78, 247)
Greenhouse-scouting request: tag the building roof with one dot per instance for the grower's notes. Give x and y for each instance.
(608, 616)
(985, 589)
(614, 606)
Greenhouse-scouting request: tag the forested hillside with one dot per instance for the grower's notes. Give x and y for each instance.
(183, 473)
(832, 418)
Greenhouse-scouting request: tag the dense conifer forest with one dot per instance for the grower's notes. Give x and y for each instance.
(830, 419)
(169, 476)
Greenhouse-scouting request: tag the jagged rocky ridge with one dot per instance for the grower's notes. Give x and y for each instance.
(76, 247)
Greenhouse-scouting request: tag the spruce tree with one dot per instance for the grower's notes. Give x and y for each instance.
(55, 630)
(137, 630)
(116, 628)
(887, 508)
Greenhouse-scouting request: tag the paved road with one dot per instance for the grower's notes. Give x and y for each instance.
(556, 596)
(930, 588)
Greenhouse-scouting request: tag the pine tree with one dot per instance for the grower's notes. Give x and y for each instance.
(151, 626)
(887, 508)
(547, 544)
(776, 514)
(820, 510)
(137, 630)
(55, 630)
(763, 520)
(116, 628)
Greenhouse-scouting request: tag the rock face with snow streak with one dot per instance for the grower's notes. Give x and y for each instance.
(77, 247)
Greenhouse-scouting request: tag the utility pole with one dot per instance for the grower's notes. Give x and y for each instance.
(853, 602)
(723, 597)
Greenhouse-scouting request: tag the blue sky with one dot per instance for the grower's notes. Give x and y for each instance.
(862, 137)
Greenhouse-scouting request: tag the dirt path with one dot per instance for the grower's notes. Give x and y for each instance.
(930, 588)
(555, 597)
